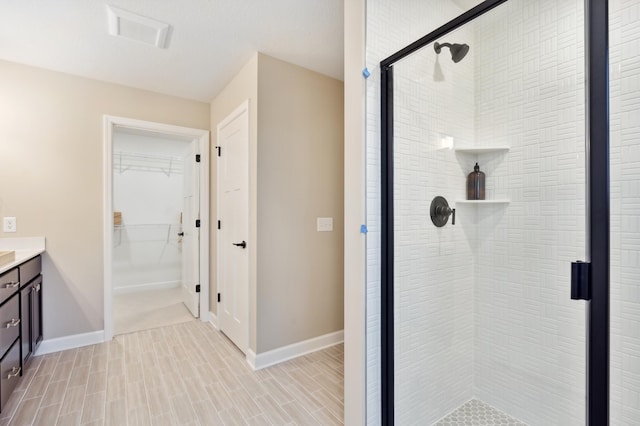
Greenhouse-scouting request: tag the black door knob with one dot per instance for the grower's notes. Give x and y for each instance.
(180, 234)
(242, 244)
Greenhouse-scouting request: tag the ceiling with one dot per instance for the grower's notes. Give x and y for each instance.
(209, 40)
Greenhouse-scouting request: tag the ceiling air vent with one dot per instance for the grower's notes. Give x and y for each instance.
(136, 27)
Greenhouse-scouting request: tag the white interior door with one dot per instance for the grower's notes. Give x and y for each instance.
(233, 236)
(191, 233)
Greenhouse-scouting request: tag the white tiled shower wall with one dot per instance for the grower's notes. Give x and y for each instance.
(624, 43)
(434, 265)
(391, 25)
(529, 340)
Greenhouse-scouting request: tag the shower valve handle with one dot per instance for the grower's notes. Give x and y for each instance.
(447, 211)
(440, 212)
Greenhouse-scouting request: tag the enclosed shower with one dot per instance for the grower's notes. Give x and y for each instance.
(486, 205)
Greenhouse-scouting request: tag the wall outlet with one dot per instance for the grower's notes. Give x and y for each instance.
(325, 224)
(9, 224)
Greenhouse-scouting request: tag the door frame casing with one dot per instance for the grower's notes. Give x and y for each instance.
(244, 107)
(202, 136)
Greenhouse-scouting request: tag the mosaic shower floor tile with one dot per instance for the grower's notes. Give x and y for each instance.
(477, 413)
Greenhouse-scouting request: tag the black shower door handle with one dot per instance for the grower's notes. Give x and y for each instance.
(243, 244)
(580, 280)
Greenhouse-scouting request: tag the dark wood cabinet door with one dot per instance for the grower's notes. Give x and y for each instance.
(25, 322)
(36, 314)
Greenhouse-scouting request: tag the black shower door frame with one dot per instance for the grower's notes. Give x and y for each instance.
(597, 205)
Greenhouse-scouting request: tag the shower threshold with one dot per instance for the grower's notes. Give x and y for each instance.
(477, 413)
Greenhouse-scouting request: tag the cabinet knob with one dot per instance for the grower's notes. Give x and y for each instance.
(12, 284)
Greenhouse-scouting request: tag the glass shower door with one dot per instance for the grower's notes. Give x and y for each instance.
(483, 322)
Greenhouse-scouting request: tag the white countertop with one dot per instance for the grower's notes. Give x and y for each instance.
(25, 248)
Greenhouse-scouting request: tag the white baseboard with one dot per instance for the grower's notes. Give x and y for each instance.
(205, 316)
(251, 359)
(276, 356)
(145, 287)
(213, 319)
(70, 342)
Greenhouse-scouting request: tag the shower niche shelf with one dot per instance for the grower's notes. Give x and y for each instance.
(481, 149)
(477, 151)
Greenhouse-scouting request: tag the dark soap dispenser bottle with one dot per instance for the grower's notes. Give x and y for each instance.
(475, 184)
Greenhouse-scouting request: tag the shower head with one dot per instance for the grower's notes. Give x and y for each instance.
(458, 51)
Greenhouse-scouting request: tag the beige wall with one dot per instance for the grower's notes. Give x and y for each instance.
(300, 178)
(296, 134)
(51, 144)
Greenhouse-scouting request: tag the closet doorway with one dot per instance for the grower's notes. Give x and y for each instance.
(156, 238)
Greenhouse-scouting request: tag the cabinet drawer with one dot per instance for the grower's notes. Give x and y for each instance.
(9, 323)
(9, 282)
(30, 269)
(10, 373)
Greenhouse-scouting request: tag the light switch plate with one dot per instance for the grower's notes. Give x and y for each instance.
(325, 224)
(9, 224)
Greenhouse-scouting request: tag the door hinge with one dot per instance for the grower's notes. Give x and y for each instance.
(219, 225)
(197, 158)
(218, 297)
(197, 223)
(580, 280)
(197, 288)
(219, 148)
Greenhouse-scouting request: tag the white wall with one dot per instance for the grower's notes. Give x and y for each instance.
(147, 190)
(355, 361)
(624, 45)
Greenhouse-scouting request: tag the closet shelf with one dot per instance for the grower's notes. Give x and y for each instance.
(481, 149)
(133, 161)
(145, 225)
(147, 232)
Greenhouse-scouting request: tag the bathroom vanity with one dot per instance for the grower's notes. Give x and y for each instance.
(20, 314)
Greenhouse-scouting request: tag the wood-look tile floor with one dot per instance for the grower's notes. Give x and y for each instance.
(184, 374)
(144, 310)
